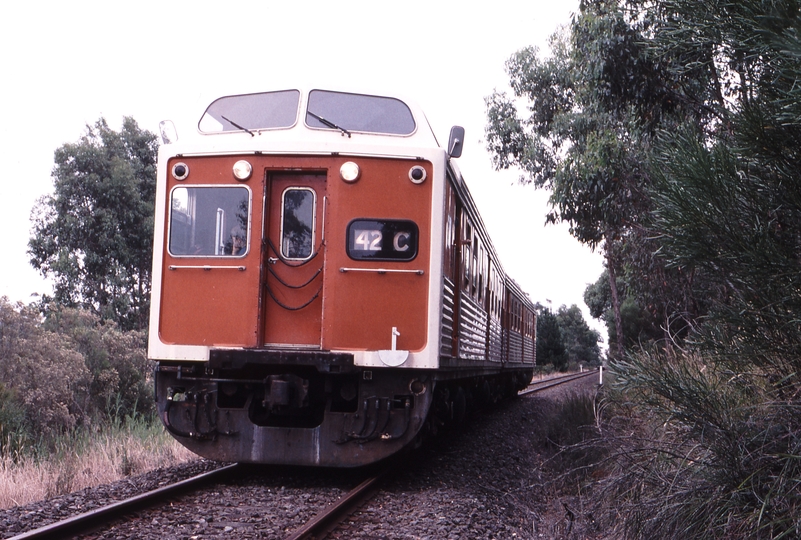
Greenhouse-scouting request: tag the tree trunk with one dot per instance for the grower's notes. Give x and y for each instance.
(610, 266)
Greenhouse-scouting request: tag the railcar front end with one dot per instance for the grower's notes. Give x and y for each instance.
(315, 289)
(294, 280)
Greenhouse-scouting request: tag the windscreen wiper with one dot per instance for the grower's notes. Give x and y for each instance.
(329, 123)
(237, 126)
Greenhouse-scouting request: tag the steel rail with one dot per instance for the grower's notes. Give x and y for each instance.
(94, 518)
(555, 381)
(334, 514)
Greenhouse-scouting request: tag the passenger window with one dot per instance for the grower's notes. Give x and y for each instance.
(297, 223)
(209, 221)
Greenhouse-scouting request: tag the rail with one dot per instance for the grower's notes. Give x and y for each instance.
(539, 386)
(326, 521)
(94, 518)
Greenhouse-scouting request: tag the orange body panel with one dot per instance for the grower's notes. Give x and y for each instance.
(362, 307)
(355, 310)
(218, 306)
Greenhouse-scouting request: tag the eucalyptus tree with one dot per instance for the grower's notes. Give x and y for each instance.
(93, 234)
(568, 130)
(728, 200)
(725, 207)
(583, 122)
(581, 341)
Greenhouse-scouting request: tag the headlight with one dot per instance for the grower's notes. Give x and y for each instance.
(349, 171)
(242, 170)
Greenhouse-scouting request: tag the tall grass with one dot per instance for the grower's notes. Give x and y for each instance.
(699, 450)
(570, 431)
(84, 459)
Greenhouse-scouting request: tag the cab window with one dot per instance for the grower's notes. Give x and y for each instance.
(209, 221)
(297, 223)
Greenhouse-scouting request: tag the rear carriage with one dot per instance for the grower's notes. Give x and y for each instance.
(323, 284)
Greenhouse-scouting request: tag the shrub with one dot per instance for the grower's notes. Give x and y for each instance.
(41, 374)
(570, 430)
(120, 373)
(66, 371)
(706, 452)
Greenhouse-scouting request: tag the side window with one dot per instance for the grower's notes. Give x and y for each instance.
(297, 223)
(476, 268)
(467, 259)
(209, 221)
(449, 259)
(482, 274)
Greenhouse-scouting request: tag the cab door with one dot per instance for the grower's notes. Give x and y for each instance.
(294, 259)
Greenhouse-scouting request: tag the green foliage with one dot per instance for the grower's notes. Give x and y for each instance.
(677, 144)
(591, 107)
(581, 342)
(573, 421)
(67, 372)
(550, 344)
(723, 449)
(725, 443)
(564, 339)
(13, 428)
(639, 325)
(93, 236)
(587, 118)
(121, 384)
(42, 377)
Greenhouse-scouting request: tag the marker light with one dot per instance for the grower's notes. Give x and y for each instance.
(180, 171)
(417, 174)
(349, 171)
(242, 170)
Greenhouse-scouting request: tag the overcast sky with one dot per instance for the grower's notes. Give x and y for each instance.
(69, 63)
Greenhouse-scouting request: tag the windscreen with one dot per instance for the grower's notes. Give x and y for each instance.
(357, 112)
(267, 110)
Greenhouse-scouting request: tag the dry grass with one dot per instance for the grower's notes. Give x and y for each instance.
(88, 462)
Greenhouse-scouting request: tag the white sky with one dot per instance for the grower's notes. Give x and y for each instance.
(66, 64)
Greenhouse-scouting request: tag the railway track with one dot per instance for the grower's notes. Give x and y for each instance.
(327, 521)
(99, 518)
(95, 518)
(316, 528)
(544, 384)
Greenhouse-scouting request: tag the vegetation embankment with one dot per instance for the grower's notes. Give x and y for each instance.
(76, 404)
(669, 133)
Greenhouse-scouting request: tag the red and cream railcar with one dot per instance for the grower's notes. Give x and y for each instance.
(323, 286)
